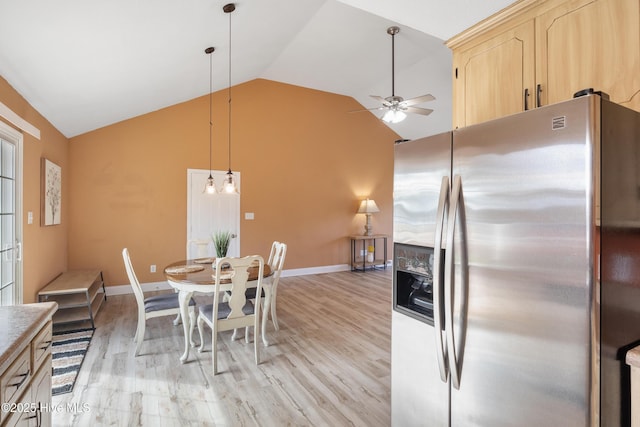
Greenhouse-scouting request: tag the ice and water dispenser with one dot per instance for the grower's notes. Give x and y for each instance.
(413, 281)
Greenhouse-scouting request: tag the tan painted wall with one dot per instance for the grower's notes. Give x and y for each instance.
(44, 248)
(305, 164)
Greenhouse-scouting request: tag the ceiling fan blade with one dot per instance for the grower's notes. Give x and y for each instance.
(368, 109)
(379, 98)
(416, 110)
(418, 100)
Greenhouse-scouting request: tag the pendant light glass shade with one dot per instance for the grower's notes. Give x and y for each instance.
(229, 185)
(210, 186)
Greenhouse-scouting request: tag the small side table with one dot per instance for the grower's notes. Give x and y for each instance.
(79, 294)
(359, 244)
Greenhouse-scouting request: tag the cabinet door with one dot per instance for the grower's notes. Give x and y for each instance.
(590, 43)
(491, 77)
(41, 393)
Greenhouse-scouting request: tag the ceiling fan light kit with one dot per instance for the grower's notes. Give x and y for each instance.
(396, 106)
(394, 116)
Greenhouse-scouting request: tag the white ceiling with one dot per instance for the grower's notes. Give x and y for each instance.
(87, 64)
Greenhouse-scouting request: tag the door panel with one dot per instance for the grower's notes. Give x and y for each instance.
(526, 191)
(590, 44)
(209, 213)
(492, 77)
(419, 397)
(419, 166)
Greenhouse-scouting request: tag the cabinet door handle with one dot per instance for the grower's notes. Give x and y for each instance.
(526, 99)
(24, 378)
(46, 345)
(538, 98)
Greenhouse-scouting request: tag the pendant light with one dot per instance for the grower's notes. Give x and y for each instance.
(210, 186)
(229, 185)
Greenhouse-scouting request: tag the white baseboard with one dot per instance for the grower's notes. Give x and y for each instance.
(315, 270)
(160, 286)
(146, 287)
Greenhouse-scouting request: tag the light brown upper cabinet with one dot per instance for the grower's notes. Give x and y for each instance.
(535, 53)
(490, 79)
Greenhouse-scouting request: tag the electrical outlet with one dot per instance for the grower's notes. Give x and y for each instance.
(153, 268)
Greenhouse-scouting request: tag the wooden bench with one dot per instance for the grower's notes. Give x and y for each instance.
(79, 294)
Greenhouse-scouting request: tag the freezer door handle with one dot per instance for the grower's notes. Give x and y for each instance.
(438, 300)
(455, 347)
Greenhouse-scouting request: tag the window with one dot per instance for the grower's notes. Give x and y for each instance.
(10, 214)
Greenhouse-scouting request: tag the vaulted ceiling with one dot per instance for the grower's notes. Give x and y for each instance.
(87, 64)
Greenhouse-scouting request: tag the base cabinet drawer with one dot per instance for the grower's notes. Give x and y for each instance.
(34, 407)
(41, 346)
(25, 378)
(16, 379)
(22, 418)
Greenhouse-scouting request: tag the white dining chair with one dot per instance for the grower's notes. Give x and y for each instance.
(153, 306)
(276, 262)
(237, 311)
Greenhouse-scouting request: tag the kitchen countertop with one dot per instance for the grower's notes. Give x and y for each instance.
(20, 324)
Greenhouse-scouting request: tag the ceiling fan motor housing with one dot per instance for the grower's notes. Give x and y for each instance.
(394, 100)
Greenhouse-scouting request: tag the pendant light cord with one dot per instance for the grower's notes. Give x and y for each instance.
(229, 91)
(210, 111)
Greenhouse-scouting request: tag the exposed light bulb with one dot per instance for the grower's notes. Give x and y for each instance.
(210, 187)
(229, 185)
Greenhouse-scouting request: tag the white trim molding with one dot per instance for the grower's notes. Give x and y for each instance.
(315, 270)
(8, 114)
(146, 287)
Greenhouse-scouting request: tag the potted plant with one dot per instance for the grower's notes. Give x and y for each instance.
(221, 241)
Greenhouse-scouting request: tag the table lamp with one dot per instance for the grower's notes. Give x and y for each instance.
(368, 207)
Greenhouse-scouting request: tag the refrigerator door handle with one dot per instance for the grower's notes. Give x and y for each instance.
(454, 349)
(438, 300)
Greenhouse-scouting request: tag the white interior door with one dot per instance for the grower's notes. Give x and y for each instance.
(208, 213)
(10, 216)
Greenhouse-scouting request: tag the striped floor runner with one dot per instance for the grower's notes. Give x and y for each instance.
(68, 350)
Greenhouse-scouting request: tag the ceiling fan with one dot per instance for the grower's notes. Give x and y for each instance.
(396, 106)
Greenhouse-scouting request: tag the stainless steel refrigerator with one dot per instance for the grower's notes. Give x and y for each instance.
(517, 270)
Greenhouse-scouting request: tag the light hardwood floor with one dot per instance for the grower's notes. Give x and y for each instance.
(329, 365)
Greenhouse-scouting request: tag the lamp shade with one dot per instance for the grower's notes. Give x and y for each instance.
(368, 206)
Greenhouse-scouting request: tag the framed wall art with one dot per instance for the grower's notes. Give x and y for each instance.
(51, 193)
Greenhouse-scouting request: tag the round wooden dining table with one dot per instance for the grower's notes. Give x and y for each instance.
(197, 276)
